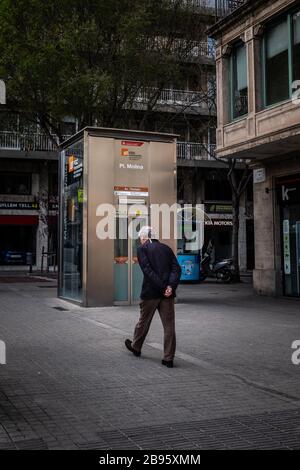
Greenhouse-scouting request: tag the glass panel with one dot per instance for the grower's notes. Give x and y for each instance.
(137, 275)
(291, 249)
(241, 64)
(296, 46)
(72, 212)
(277, 64)
(277, 40)
(121, 261)
(240, 82)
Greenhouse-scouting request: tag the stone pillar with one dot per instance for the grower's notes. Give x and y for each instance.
(243, 236)
(223, 98)
(265, 276)
(42, 231)
(252, 42)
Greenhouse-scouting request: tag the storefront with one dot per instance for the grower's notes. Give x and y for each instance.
(288, 196)
(110, 181)
(218, 227)
(18, 233)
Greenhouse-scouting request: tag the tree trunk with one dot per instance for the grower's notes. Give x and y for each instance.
(235, 236)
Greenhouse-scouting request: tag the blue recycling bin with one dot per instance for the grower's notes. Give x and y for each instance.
(190, 266)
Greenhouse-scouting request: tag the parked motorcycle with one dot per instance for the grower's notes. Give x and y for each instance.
(222, 270)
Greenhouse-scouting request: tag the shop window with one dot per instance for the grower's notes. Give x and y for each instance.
(239, 81)
(15, 242)
(15, 183)
(290, 232)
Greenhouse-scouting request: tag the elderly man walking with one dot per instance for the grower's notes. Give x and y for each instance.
(161, 278)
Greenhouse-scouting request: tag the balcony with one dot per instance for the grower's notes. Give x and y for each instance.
(186, 50)
(195, 151)
(199, 4)
(189, 101)
(41, 142)
(206, 49)
(225, 7)
(28, 142)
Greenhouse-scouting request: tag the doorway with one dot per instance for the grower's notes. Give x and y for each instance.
(291, 250)
(128, 276)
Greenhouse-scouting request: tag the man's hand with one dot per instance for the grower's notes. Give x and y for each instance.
(168, 292)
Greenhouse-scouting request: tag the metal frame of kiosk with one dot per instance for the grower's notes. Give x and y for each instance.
(120, 169)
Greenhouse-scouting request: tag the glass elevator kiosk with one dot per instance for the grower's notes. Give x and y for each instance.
(110, 180)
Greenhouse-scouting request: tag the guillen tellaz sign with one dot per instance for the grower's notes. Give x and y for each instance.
(30, 206)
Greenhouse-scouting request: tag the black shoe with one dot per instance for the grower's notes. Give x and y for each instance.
(128, 344)
(167, 363)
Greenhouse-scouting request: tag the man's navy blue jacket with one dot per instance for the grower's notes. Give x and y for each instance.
(160, 268)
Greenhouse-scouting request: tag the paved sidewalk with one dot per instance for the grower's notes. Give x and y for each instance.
(70, 383)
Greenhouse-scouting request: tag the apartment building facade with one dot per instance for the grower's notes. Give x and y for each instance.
(258, 84)
(186, 107)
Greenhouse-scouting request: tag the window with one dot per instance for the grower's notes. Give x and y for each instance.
(296, 46)
(281, 52)
(239, 81)
(15, 183)
(277, 64)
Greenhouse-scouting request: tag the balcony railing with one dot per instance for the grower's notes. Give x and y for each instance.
(194, 50)
(225, 7)
(28, 142)
(203, 49)
(185, 50)
(199, 4)
(195, 151)
(41, 142)
(183, 98)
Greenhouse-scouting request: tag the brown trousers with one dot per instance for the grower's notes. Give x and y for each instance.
(166, 311)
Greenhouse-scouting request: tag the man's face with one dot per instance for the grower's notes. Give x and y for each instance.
(143, 240)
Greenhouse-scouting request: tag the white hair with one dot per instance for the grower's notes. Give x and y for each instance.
(147, 232)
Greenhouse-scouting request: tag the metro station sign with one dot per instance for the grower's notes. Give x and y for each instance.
(132, 143)
(130, 191)
(288, 189)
